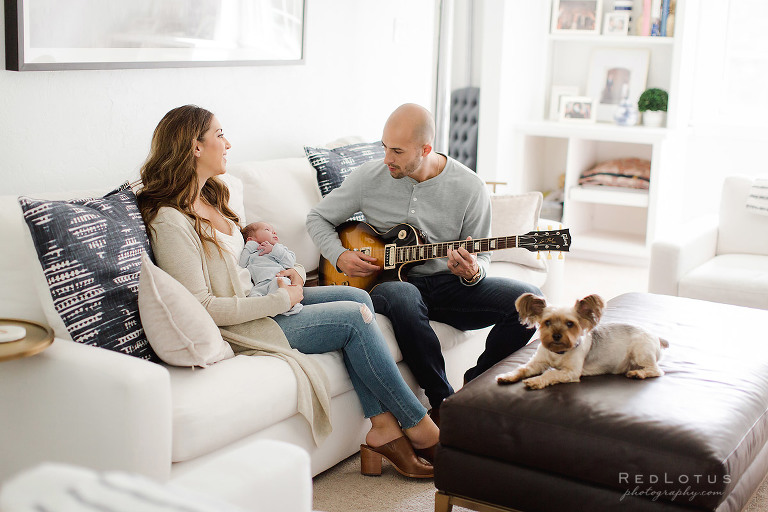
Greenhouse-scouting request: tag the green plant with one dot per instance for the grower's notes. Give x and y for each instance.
(653, 99)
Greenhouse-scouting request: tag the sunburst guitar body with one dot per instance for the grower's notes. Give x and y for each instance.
(401, 247)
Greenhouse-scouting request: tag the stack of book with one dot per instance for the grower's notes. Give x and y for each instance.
(658, 18)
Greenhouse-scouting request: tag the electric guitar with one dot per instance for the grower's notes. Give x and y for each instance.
(400, 248)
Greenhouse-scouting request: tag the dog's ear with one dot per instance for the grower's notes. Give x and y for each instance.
(529, 308)
(590, 308)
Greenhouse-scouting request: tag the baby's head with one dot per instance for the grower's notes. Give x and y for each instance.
(260, 232)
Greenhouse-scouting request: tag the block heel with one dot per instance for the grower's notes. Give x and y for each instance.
(400, 454)
(370, 461)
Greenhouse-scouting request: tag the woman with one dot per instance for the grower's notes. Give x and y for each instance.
(196, 239)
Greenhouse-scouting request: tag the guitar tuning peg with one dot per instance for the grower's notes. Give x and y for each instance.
(549, 227)
(561, 256)
(538, 255)
(549, 255)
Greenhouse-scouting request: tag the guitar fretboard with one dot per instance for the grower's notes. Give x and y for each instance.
(440, 250)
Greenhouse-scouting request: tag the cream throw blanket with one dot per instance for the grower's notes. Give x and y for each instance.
(244, 321)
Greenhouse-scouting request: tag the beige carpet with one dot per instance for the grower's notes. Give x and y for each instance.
(343, 489)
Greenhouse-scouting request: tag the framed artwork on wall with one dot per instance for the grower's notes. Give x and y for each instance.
(576, 16)
(98, 34)
(613, 74)
(577, 109)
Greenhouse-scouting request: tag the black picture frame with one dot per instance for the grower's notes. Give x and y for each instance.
(258, 33)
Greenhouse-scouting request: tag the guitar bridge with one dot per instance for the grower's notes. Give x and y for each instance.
(390, 256)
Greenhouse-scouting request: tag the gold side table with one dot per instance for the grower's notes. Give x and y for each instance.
(37, 339)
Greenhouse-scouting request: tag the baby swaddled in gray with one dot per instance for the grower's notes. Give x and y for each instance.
(264, 268)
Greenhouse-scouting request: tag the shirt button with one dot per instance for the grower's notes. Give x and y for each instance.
(415, 199)
(413, 211)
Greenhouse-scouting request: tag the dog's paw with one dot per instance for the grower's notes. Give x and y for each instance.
(508, 378)
(645, 373)
(535, 383)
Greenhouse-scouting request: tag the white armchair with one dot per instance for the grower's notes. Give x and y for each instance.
(719, 259)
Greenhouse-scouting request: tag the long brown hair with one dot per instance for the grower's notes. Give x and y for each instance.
(168, 175)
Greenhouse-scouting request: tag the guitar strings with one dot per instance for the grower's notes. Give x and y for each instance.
(440, 250)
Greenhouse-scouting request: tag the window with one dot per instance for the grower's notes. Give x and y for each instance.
(731, 74)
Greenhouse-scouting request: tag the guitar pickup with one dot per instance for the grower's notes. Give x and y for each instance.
(390, 256)
(365, 250)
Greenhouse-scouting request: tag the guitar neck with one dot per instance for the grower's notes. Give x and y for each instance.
(424, 252)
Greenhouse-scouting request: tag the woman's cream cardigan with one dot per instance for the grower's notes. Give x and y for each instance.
(243, 321)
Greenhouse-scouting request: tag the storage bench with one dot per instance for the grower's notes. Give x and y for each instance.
(694, 439)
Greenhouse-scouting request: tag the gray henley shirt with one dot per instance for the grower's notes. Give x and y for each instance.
(451, 206)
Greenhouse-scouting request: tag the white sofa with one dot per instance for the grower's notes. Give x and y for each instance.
(265, 476)
(103, 410)
(721, 258)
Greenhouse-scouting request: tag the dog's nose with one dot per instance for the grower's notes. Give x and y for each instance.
(557, 336)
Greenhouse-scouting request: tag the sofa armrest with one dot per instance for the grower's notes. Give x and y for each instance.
(676, 254)
(85, 406)
(262, 475)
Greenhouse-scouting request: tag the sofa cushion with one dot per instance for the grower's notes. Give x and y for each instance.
(179, 329)
(226, 402)
(235, 186)
(520, 272)
(282, 192)
(741, 230)
(90, 251)
(516, 214)
(334, 165)
(731, 279)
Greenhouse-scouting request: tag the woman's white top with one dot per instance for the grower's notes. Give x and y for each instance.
(234, 245)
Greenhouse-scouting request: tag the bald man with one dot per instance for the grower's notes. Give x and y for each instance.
(447, 201)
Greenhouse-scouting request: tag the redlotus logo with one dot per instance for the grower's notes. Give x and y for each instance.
(643, 486)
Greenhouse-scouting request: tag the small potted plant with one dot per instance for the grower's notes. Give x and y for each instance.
(653, 104)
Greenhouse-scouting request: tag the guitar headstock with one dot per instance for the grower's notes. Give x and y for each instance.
(552, 240)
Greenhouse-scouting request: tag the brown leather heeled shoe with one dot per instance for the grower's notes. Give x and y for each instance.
(400, 454)
(428, 453)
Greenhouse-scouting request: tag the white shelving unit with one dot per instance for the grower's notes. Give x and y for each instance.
(607, 223)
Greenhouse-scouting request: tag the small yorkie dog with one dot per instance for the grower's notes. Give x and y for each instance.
(573, 344)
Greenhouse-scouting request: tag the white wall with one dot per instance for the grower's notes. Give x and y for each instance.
(85, 129)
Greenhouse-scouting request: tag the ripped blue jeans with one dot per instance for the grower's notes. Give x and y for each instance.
(333, 318)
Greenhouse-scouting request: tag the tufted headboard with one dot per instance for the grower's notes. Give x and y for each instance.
(465, 107)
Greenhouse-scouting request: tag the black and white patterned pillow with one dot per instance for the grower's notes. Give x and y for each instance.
(90, 251)
(334, 165)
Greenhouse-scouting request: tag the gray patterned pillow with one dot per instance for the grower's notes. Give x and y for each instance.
(90, 251)
(334, 165)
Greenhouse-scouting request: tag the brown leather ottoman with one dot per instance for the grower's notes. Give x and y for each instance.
(694, 439)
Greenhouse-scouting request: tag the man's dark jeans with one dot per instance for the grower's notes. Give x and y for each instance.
(445, 299)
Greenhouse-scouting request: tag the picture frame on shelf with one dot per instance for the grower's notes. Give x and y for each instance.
(577, 109)
(616, 24)
(557, 92)
(610, 70)
(576, 16)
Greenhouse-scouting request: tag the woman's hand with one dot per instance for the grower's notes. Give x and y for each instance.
(295, 293)
(293, 275)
